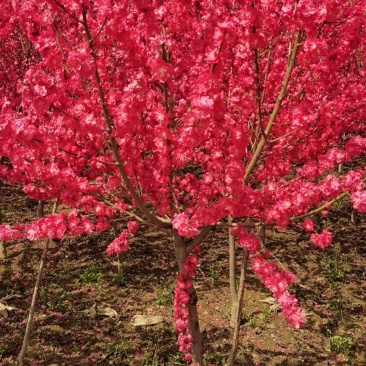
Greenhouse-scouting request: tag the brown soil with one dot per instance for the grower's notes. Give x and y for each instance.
(85, 311)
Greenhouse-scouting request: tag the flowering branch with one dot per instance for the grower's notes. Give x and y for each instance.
(276, 109)
(112, 140)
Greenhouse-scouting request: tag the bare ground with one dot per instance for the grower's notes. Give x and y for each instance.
(85, 312)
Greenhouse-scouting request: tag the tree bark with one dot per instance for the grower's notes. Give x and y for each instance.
(193, 322)
(232, 277)
(235, 341)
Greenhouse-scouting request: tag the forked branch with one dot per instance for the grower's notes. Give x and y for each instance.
(112, 140)
(276, 109)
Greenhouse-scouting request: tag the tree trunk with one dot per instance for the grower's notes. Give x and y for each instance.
(232, 277)
(193, 323)
(2, 250)
(239, 308)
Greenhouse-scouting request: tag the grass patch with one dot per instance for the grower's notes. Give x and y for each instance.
(90, 275)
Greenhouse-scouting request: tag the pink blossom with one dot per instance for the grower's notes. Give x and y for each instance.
(249, 241)
(9, 233)
(181, 223)
(32, 232)
(132, 227)
(181, 300)
(321, 240)
(308, 225)
(358, 200)
(118, 245)
(161, 70)
(237, 230)
(292, 313)
(277, 281)
(87, 225)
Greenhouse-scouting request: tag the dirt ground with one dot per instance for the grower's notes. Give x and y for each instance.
(86, 312)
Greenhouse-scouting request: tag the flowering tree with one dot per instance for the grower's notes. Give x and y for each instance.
(179, 114)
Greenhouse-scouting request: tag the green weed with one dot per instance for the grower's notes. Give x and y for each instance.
(258, 320)
(2, 351)
(342, 345)
(4, 214)
(213, 358)
(342, 203)
(119, 278)
(164, 296)
(335, 305)
(212, 272)
(53, 301)
(334, 267)
(119, 350)
(90, 275)
(74, 350)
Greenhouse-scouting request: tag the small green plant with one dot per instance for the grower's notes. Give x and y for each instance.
(120, 349)
(335, 305)
(119, 278)
(213, 358)
(342, 345)
(74, 350)
(212, 272)
(4, 214)
(52, 300)
(90, 275)
(163, 296)
(257, 320)
(175, 360)
(334, 267)
(342, 203)
(151, 359)
(2, 351)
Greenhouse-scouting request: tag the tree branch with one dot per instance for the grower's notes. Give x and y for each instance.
(113, 143)
(276, 108)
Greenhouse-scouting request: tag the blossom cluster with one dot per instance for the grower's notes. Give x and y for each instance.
(322, 240)
(121, 244)
(277, 281)
(181, 304)
(245, 240)
(49, 227)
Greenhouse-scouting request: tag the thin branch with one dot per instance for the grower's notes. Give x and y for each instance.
(239, 309)
(58, 33)
(267, 70)
(276, 108)
(67, 12)
(292, 218)
(198, 239)
(282, 137)
(320, 208)
(129, 213)
(34, 298)
(112, 139)
(100, 30)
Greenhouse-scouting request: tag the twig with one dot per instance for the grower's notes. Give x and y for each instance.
(243, 275)
(198, 239)
(276, 108)
(34, 298)
(67, 12)
(110, 127)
